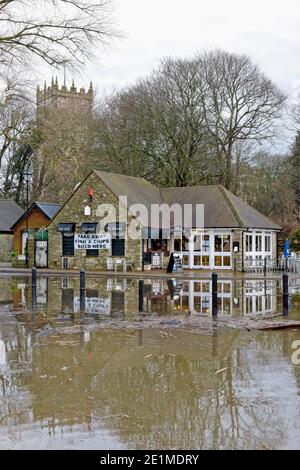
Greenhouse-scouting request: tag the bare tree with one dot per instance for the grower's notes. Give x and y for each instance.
(16, 115)
(16, 122)
(240, 104)
(58, 32)
(156, 128)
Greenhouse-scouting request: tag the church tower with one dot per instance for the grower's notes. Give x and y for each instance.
(64, 140)
(54, 98)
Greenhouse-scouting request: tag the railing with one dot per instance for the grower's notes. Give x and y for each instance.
(264, 266)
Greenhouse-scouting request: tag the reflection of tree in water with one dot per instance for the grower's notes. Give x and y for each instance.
(164, 395)
(155, 389)
(16, 365)
(175, 402)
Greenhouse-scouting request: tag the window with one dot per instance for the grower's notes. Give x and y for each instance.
(227, 261)
(197, 260)
(222, 246)
(197, 243)
(185, 260)
(218, 260)
(218, 243)
(226, 243)
(258, 243)
(205, 243)
(90, 227)
(68, 244)
(205, 260)
(249, 245)
(185, 243)
(268, 243)
(118, 247)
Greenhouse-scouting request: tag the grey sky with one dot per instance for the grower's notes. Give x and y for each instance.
(266, 30)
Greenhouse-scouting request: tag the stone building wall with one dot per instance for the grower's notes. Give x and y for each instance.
(6, 246)
(73, 212)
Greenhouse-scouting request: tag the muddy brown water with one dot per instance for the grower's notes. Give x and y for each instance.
(71, 380)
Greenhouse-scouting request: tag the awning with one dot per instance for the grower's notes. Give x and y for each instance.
(89, 227)
(117, 229)
(66, 228)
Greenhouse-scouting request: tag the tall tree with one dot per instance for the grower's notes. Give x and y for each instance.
(16, 123)
(156, 128)
(240, 104)
(190, 121)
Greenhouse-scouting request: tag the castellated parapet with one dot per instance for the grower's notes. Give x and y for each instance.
(54, 97)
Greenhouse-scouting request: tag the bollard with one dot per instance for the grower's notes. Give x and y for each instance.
(82, 290)
(214, 295)
(285, 294)
(33, 288)
(82, 279)
(33, 277)
(235, 265)
(141, 296)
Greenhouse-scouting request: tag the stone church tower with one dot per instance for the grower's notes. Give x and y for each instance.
(64, 140)
(53, 98)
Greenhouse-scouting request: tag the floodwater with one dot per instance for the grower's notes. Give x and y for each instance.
(74, 380)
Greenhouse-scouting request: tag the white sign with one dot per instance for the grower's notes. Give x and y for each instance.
(93, 305)
(87, 210)
(92, 241)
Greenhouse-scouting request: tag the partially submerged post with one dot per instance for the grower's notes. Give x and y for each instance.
(214, 295)
(33, 287)
(141, 296)
(82, 290)
(285, 294)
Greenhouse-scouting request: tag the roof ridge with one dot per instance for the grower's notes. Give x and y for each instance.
(192, 187)
(236, 215)
(124, 176)
(51, 203)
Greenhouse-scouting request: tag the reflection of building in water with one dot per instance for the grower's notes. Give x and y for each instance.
(192, 296)
(105, 297)
(118, 298)
(127, 298)
(197, 297)
(259, 297)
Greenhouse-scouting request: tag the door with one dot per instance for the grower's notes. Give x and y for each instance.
(41, 254)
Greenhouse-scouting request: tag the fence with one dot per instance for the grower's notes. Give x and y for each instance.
(264, 266)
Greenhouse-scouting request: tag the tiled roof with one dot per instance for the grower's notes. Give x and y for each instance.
(222, 209)
(9, 213)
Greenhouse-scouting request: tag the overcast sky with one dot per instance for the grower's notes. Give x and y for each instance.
(266, 30)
